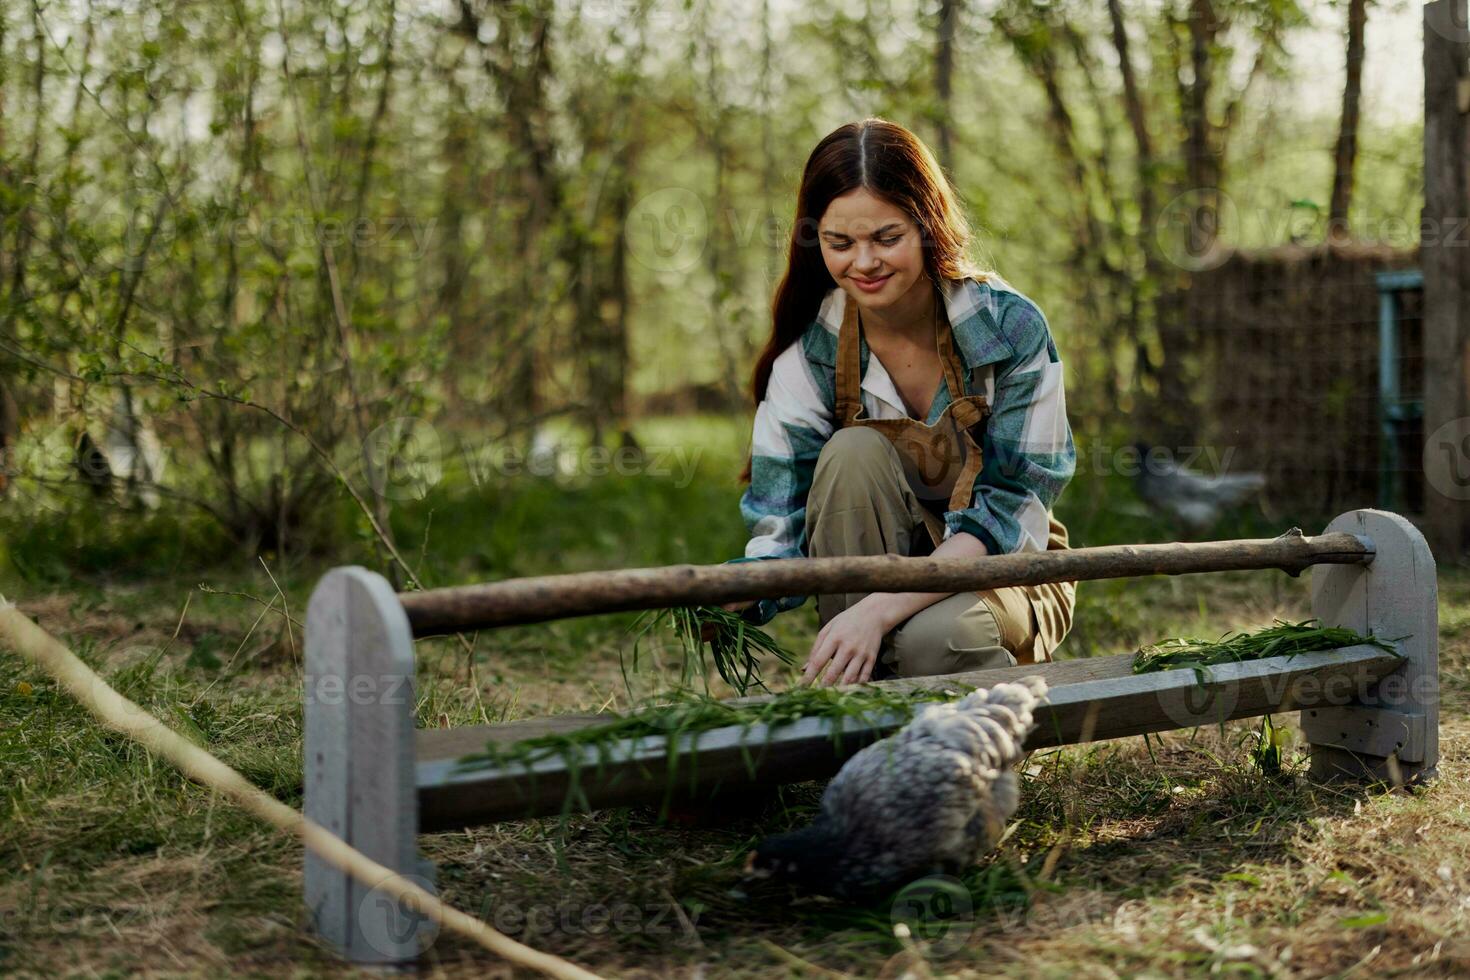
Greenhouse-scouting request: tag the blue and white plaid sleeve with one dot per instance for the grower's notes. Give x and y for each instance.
(792, 424)
(1028, 451)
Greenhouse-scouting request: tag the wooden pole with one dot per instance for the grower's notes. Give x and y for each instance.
(532, 600)
(35, 645)
(1444, 252)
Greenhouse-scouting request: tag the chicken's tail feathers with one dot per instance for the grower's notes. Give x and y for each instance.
(1021, 696)
(1007, 713)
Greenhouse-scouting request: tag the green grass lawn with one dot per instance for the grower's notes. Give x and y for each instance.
(1168, 858)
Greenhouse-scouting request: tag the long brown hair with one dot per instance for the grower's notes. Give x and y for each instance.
(892, 163)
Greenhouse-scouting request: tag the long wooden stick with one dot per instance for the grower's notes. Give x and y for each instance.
(127, 717)
(531, 600)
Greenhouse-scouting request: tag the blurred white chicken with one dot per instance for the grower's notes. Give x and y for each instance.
(933, 797)
(130, 458)
(1192, 499)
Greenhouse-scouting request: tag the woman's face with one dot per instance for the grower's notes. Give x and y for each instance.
(871, 248)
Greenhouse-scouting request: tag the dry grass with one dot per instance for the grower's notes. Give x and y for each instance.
(1126, 859)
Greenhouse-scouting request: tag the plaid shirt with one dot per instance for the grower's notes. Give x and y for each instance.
(1009, 357)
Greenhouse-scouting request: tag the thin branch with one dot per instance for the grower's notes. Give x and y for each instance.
(210, 590)
(285, 604)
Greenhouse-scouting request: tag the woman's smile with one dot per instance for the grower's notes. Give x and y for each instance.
(871, 285)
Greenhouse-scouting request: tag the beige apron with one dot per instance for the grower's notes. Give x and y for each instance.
(941, 462)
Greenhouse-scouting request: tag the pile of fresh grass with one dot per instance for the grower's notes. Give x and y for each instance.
(735, 646)
(1281, 639)
(686, 713)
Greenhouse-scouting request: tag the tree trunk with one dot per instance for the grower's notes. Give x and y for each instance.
(1446, 281)
(454, 260)
(1142, 311)
(522, 91)
(618, 352)
(9, 428)
(720, 262)
(944, 80)
(773, 268)
(1174, 418)
(1346, 155)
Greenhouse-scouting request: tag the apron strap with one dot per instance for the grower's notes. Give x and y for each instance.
(954, 372)
(848, 380)
(849, 366)
(964, 485)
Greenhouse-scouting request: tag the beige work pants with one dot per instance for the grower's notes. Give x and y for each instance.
(860, 503)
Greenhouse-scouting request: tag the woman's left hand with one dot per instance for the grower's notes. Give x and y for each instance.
(846, 649)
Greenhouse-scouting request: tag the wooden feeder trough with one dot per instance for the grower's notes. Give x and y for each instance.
(377, 782)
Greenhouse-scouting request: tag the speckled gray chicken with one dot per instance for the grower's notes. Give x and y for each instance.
(932, 798)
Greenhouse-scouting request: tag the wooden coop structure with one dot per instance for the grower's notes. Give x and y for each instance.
(376, 780)
(1308, 366)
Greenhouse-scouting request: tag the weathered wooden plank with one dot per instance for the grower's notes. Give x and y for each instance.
(531, 600)
(452, 743)
(1362, 730)
(359, 762)
(1089, 700)
(1396, 598)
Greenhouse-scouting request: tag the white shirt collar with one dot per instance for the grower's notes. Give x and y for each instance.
(877, 382)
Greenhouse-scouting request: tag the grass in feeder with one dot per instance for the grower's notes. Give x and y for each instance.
(686, 713)
(1282, 639)
(736, 646)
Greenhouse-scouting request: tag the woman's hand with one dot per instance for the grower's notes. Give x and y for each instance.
(707, 630)
(846, 649)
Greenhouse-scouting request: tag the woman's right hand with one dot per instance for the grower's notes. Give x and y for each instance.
(707, 631)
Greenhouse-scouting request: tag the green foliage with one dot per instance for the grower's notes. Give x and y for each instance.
(185, 200)
(1280, 640)
(679, 717)
(735, 645)
(53, 548)
(1269, 751)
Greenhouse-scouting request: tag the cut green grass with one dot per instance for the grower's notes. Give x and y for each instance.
(735, 646)
(1281, 640)
(685, 713)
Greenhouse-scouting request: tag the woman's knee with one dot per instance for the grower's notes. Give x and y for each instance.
(858, 470)
(855, 455)
(955, 634)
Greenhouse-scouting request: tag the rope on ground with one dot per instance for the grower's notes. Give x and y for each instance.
(130, 719)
